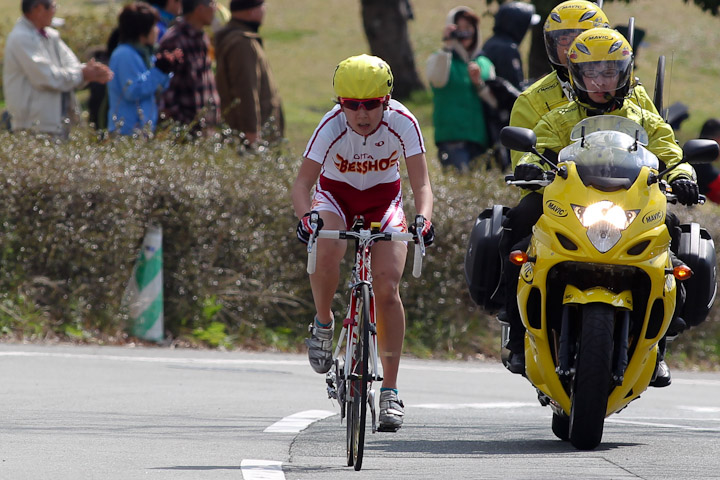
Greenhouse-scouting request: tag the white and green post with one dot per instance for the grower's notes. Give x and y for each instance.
(144, 294)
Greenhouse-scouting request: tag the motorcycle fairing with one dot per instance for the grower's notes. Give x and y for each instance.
(562, 240)
(576, 296)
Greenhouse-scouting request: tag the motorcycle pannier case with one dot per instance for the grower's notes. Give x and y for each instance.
(482, 259)
(698, 252)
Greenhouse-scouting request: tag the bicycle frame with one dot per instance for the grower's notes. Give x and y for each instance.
(342, 389)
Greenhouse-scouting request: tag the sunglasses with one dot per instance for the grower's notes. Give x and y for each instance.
(368, 104)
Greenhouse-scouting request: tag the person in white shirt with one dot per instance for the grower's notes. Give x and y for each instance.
(40, 73)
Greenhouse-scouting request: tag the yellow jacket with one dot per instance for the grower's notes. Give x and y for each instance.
(553, 133)
(547, 94)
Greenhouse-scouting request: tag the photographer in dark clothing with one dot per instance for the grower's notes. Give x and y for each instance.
(512, 22)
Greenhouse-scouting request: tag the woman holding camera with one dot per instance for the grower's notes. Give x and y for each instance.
(457, 75)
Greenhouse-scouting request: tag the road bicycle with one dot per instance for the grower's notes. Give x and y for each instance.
(350, 379)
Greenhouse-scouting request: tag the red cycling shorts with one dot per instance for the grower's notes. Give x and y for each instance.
(381, 203)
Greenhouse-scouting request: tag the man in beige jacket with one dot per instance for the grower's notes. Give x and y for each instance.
(248, 94)
(41, 73)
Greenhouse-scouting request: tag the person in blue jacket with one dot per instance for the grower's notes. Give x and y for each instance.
(139, 74)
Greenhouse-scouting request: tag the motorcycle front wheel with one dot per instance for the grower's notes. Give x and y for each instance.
(593, 373)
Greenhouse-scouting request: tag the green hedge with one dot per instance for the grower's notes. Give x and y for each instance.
(74, 215)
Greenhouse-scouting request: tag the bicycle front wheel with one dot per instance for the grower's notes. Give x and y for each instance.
(359, 384)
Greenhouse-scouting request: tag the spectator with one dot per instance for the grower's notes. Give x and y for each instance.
(457, 75)
(139, 75)
(512, 21)
(41, 73)
(707, 173)
(168, 11)
(192, 97)
(248, 94)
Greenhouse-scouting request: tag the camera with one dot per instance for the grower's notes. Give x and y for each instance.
(461, 34)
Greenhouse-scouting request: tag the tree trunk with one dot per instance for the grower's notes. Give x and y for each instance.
(385, 23)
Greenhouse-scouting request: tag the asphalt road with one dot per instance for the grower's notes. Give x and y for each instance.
(69, 412)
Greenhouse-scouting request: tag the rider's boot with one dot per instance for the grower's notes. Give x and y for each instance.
(661, 377)
(320, 346)
(392, 411)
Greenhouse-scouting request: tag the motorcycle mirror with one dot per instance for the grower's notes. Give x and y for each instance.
(518, 138)
(696, 151)
(523, 140)
(700, 151)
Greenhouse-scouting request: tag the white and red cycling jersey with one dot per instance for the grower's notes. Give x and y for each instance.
(361, 175)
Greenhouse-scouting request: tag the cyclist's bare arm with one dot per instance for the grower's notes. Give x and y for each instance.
(420, 184)
(304, 183)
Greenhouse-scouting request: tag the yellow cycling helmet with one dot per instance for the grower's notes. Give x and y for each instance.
(363, 76)
(565, 22)
(597, 56)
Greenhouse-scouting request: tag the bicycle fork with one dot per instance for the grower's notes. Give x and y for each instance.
(344, 370)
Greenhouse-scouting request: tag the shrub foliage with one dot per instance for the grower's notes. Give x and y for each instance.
(75, 214)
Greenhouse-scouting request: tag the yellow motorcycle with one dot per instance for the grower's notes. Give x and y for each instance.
(597, 289)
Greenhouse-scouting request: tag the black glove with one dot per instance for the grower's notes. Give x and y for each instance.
(167, 62)
(304, 229)
(428, 231)
(528, 171)
(685, 190)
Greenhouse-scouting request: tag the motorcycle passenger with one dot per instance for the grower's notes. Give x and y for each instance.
(353, 163)
(600, 64)
(565, 22)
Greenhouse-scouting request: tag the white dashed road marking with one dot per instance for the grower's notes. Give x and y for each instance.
(298, 421)
(261, 470)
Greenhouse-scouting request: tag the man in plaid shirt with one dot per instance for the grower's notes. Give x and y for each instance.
(192, 95)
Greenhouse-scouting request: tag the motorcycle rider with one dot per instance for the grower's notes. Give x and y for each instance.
(600, 64)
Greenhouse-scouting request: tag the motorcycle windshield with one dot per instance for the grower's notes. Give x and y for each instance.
(613, 123)
(608, 160)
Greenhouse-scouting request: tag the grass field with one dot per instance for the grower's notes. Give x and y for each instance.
(304, 53)
(305, 40)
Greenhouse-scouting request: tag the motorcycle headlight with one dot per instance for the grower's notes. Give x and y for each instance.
(604, 221)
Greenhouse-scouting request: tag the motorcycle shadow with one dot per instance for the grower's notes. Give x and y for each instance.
(516, 446)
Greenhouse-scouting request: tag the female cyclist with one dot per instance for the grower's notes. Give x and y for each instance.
(353, 163)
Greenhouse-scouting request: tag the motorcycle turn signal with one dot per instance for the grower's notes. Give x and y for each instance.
(682, 272)
(518, 257)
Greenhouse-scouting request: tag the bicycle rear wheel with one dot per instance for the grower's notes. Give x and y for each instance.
(357, 411)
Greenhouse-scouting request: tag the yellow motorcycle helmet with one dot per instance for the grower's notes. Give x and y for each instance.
(597, 57)
(565, 22)
(363, 76)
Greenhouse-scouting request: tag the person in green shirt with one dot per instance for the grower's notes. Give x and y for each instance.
(457, 75)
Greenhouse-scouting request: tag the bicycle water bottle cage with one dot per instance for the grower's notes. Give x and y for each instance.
(358, 223)
(375, 227)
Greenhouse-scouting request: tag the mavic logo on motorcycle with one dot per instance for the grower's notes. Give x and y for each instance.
(527, 273)
(652, 217)
(556, 209)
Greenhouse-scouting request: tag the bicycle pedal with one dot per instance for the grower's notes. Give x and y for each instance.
(330, 382)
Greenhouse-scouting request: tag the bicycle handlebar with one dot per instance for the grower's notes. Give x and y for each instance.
(367, 236)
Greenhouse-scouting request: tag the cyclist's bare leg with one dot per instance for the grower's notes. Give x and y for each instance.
(325, 280)
(388, 262)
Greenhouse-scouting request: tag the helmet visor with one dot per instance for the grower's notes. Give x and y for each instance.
(601, 77)
(558, 42)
